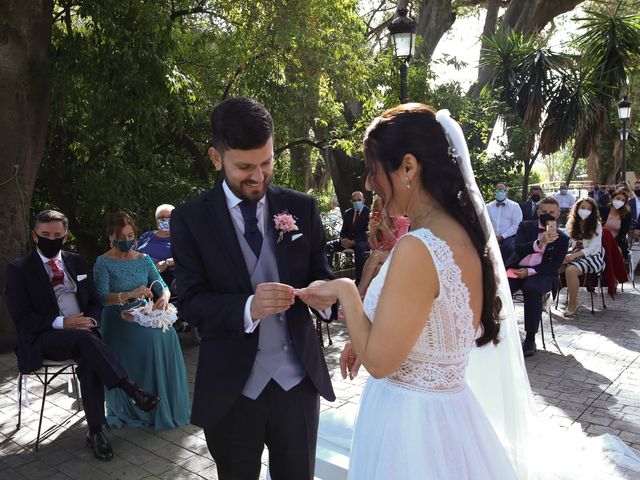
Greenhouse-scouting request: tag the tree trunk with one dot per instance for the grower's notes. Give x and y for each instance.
(490, 22)
(435, 17)
(346, 174)
(25, 39)
(592, 167)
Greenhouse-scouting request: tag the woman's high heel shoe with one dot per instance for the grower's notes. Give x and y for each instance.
(571, 312)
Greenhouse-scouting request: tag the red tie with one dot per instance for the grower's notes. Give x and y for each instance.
(356, 217)
(58, 275)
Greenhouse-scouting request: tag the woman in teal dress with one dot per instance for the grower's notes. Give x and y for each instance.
(152, 358)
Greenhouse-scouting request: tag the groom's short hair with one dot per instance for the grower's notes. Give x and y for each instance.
(240, 123)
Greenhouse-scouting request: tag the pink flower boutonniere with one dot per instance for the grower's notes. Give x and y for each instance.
(284, 222)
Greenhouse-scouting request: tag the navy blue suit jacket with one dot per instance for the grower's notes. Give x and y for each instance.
(357, 232)
(33, 306)
(554, 253)
(213, 287)
(526, 208)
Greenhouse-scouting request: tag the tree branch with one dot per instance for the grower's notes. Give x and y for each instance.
(302, 141)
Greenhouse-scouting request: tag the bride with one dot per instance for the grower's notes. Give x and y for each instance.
(448, 395)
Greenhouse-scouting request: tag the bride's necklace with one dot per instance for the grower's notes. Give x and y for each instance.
(421, 220)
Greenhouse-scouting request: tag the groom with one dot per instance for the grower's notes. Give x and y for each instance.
(261, 368)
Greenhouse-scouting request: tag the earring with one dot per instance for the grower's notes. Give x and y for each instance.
(407, 183)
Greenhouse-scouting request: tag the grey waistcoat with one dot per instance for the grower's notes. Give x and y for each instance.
(276, 357)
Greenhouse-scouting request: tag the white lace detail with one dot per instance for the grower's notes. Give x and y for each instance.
(438, 360)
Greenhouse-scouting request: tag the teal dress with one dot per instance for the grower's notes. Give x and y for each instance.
(152, 358)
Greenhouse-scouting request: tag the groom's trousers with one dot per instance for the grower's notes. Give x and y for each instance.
(287, 422)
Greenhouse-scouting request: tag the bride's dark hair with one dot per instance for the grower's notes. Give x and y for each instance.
(412, 128)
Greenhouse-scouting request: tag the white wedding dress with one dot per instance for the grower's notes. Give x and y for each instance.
(423, 421)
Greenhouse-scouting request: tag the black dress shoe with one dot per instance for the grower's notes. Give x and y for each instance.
(100, 446)
(145, 401)
(529, 348)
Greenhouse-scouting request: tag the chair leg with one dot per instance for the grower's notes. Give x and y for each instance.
(77, 382)
(44, 398)
(592, 310)
(542, 332)
(553, 335)
(19, 401)
(329, 335)
(604, 307)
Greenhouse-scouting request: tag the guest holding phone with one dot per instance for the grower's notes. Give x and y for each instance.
(585, 248)
(533, 268)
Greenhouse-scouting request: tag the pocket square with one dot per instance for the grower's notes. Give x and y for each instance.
(79, 278)
(295, 236)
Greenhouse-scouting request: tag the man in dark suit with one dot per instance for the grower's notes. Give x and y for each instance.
(53, 302)
(241, 249)
(533, 267)
(530, 207)
(353, 234)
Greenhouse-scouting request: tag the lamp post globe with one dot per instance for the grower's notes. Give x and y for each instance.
(403, 38)
(624, 114)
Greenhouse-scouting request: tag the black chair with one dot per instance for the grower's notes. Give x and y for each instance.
(590, 281)
(49, 371)
(518, 297)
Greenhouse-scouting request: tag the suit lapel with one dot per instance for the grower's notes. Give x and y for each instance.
(216, 203)
(277, 204)
(70, 266)
(42, 277)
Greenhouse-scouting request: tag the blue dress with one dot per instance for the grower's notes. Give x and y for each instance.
(151, 358)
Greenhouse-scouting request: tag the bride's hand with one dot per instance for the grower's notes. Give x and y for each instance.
(349, 362)
(319, 294)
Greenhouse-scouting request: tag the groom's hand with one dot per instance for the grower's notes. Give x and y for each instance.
(271, 298)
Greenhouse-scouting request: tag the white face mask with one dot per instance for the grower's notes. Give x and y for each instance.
(584, 213)
(617, 203)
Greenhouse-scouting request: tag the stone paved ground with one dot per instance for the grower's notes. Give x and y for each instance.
(592, 376)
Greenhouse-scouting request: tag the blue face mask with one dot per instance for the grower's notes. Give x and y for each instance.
(125, 245)
(563, 191)
(357, 205)
(164, 224)
(501, 195)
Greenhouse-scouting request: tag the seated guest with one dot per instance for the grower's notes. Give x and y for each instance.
(616, 218)
(585, 249)
(157, 243)
(384, 232)
(505, 217)
(124, 279)
(530, 207)
(353, 233)
(533, 268)
(566, 201)
(53, 302)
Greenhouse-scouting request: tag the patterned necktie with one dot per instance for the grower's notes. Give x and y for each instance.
(251, 232)
(58, 275)
(356, 217)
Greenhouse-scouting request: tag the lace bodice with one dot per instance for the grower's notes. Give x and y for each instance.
(438, 360)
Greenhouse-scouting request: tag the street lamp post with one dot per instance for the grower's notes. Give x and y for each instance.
(624, 113)
(403, 38)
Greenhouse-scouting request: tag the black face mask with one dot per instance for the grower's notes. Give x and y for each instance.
(545, 217)
(637, 192)
(535, 197)
(611, 192)
(49, 247)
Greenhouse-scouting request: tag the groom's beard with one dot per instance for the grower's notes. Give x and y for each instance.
(245, 189)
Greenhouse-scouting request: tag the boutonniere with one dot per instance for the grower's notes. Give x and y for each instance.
(284, 222)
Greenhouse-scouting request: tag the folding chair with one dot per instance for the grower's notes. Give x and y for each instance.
(590, 281)
(518, 297)
(50, 370)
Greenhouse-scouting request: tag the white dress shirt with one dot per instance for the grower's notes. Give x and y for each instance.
(566, 201)
(58, 322)
(233, 204)
(505, 219)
